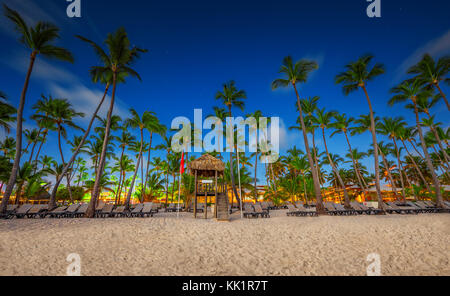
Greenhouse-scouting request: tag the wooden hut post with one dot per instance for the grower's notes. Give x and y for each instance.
(206, 204)
(195, 199)
(215, 206)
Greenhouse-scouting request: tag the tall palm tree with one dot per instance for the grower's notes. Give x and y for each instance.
(62, 114)
(153, 126)
(117, 60)
(385, 150)
(323, 119)
(137, 122)
(412, 90)
(257, 115)
(38, 40)
(356, 76)
(433, 73)
(392, 127)
(97, 76)
(7, 113)
(232, 97)
(342, 125)
(295, 74)
(405, 134)
(124, 140)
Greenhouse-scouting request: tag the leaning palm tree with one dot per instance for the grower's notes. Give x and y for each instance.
(232, 97)
(412, 90)
(117, 61)
(342, 125)
(323, 119)
(295, 74)
(433, 73)
(392, 127)
(356, 76)
(62, 114)
(97, 75)
(38, 40)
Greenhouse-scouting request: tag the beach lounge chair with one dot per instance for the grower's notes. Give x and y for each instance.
(37, 211)
(10, 210)
(22, 211)
(331, 210)
(343, 211)
(293, 211)
(260, 212)
(106, 211)
(357, 208)
(171, 208)
(57, 213)
(147, 210)
(265, 206)
(370, 211)
(70, 211)
(137, 210)
(416, 207)
(119, 212)
(307, 212)
(249, 211)
(81, 211)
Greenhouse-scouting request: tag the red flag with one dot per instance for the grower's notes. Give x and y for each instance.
(182, 164)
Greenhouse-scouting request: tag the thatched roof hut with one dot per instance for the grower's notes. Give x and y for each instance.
(206, 166)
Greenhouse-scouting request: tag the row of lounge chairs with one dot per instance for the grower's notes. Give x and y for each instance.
(78, 211)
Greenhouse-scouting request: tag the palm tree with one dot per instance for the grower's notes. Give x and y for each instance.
(104, 77)
(323, 119)
(116, 61)
(342, 125)
(356, 76)
(232, 97)
(38, 40)
(257, 115)
(62, 114)
(433, 73)
(405, 134)
(300, 164)
(124, 165)
(392, 127)
(412, 90)
(293, 75)
(6, 113)
(137, 122)
(385, 150)
(153, 126)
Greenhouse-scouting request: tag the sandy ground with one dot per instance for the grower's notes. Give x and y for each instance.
(164, 245)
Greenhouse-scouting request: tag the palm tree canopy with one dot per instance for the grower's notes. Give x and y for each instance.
(294, 73)
(38, 38)
(231, 96)
(431, 72)
(358, 73)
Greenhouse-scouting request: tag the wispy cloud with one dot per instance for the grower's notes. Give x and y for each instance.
(435, 47)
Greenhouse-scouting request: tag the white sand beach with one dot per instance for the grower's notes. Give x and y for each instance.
(280, 246)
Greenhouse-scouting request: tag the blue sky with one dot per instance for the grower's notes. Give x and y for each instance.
(196, 46)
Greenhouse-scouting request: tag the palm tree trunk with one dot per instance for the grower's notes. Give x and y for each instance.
(304, 188)
(400, 169)
(118, 189)
(136, 170)
(333, 166)
(167, 186)
(437, 184)
(15, 168)
(438, 139)
(388, 171)
(417, 167)
(55, 189)
(142, 177)
(40, 145)
(52, 202)
(148, 161)
(375, 152)
(443, 95)
(320, 207)
(354, 163)
(234, 192)
(256, 172)
(96, 190)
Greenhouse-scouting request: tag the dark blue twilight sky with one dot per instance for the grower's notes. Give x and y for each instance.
(195, 46)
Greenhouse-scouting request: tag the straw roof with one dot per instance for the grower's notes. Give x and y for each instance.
(207, 163)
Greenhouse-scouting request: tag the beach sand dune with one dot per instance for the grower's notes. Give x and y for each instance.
(280, 246)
